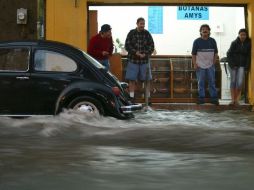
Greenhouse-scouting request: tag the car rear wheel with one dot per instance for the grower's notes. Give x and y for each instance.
(87, 105)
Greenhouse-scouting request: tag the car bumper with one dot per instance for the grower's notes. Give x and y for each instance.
(131, 108)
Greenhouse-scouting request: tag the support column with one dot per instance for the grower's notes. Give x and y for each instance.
(251, 33)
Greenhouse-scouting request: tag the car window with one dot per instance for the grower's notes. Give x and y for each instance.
(45, 60)
(14, 59)
(93, 61)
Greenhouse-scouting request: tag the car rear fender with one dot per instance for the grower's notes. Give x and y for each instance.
(98, 91)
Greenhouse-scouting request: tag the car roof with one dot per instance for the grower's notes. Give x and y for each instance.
(47, 43)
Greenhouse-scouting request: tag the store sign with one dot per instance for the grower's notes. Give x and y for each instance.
(155, 19)
(192, 13)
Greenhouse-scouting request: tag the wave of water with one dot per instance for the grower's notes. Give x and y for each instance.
(178, 131)
(159, 150)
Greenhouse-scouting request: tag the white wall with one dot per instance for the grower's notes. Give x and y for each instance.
(178, 35)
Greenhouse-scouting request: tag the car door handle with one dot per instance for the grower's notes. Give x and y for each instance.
(22, 78)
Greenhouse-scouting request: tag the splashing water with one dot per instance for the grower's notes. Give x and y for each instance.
(155, 150)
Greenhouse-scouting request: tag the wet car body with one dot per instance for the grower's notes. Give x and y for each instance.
(46, 77)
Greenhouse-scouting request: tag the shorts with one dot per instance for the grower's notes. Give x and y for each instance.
(237, 76)
(140, 72)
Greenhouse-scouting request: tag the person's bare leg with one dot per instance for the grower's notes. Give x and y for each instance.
(132, 88)
(147, 94)
(237, 96)
(148, 89)
(232, 92)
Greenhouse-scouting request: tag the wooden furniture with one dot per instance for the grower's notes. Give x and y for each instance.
(174, 80)
(116, 66)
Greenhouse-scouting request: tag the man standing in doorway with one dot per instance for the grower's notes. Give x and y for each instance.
(204, 54)
(101, 46)
(140, 45)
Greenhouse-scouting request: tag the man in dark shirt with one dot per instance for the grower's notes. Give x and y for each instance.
(140, 45)
(101, 46)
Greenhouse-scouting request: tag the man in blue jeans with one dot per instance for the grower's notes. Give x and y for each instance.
(204, 53)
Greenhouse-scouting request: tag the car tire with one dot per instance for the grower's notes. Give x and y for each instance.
(86, 104)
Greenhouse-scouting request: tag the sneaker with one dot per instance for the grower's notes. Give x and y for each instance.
(215, 102)
(131, 100)
(231, 103)
(149, 102)
(237, 103)
(200, 102)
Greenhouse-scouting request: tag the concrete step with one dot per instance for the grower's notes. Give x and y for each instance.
(193, 106)
(223, 105)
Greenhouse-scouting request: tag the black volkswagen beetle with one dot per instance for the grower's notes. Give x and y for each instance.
(46, 77)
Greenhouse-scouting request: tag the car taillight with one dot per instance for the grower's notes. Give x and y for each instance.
(116, 90)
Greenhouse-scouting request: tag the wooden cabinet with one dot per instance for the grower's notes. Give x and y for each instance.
(184, 80)
(116, 66)
(174, 80)
(161, 83)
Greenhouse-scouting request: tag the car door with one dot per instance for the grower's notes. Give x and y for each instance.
(14, 80)
(52, 72)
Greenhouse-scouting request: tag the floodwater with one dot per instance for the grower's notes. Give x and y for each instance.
(158, 150)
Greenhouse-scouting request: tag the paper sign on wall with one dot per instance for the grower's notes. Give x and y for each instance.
(155, 19)
(192, 13)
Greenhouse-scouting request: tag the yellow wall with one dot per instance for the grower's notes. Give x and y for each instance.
(251, 31)
(66, 21)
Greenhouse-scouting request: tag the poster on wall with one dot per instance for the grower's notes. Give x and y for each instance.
(192, 13)
(155, 19)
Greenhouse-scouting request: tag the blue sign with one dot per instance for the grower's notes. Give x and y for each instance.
(193, 13)
(155, 19)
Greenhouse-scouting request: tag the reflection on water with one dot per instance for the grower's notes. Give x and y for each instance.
(157, 150)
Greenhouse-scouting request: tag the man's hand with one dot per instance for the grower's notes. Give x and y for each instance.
(141, 55)
(195, 66)
(105, 53)
(194, 62)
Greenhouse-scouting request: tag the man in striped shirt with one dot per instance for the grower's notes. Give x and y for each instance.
(204, 53)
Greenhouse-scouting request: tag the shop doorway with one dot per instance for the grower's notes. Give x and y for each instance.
(174, 28)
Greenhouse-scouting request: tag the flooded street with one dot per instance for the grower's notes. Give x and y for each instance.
(158, 150)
